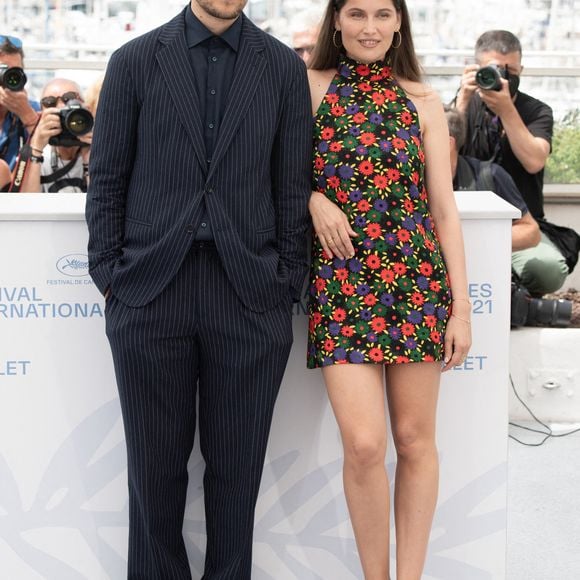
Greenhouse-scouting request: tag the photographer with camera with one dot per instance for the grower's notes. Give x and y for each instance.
(514, 130)
(18, 115)
(58, 152)
(470, 174)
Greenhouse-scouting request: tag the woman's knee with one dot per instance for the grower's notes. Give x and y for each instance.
(412, 442)
(365, 451)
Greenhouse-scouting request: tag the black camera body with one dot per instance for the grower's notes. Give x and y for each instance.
(75, 122)
(12, 78)
(529, 311)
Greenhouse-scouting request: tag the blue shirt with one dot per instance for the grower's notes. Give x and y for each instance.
(213, 60)
(13, 135)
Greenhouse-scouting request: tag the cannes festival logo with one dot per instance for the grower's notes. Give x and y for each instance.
(74, 265)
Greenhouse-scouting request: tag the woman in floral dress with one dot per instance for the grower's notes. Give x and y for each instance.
(388, 297)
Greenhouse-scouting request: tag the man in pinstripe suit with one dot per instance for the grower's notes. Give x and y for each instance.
(197, 214)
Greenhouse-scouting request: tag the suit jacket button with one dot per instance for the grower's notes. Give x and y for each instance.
(189, 229)
(209, 189)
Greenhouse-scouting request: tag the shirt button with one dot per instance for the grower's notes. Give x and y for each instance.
(203, 225)
(209, 161)
(213, 91)
(211, 125)
(214, 58)
(209, 189)
(189, 229)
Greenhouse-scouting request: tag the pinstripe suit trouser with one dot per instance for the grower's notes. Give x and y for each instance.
(196, 337)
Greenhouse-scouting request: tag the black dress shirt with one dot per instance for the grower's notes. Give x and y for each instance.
(213, 59)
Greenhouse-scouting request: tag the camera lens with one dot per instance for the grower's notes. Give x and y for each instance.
(546, 312)
(78, 122)
(13, 78)
(488, 77)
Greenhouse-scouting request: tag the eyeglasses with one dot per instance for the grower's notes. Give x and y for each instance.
(302, 50)
(48, 102)
(15, 42)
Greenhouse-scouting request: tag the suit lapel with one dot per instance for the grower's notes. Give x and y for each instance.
(249, 68)
(175, 66)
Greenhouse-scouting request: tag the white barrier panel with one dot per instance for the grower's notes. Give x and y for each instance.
(63, 499)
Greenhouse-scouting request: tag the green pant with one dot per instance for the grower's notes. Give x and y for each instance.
(542, 269)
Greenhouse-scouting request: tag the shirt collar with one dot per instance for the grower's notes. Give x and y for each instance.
(196, 32)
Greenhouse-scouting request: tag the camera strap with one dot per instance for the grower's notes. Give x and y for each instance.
(56, 175)
(21, 163)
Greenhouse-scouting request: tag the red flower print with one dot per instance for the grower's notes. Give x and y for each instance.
(329, 345)
(370, 299)
(378, 324)
(416, 140)
(373, 261)
(435, 337)
(339, 315)
(317, 318)
(363, 205)
(363, 70)
(333, 181)
(325, 256)
(387, 275)
(400, 268)
(429, 245)
(365, 87)
(421, 229)
(415, 177)
(421, 156)
(398, 143)
(332, 98)
(359, 118)
(380, 181)
(337, 111)
(347, 289)
(403, 235)
(409, 205)
(374, 232)
(327, 133)
(347, 331)
(319, 164)
(366, 168)
(376, 355)
(335, 146)
(428, 358)
(341, 196)
(430, 320)
(402, 359)
(393, 175)
(379, 99)
(408, 329)
(367, 139)
(435, 286)
(426, 269)
(406, 118)
(320, 284)
(390, 95)
(341, 274)
(417, 299)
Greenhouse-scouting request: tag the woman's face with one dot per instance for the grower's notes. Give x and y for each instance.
(367, 28)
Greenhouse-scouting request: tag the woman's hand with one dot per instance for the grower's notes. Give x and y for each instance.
(331, 226)
(457, 335)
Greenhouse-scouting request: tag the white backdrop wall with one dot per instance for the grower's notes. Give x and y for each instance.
(63, 499)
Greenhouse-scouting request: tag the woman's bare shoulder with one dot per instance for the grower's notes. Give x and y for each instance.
(317, 78)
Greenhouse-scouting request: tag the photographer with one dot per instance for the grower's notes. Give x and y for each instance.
(62, 166)
(18, 115)
(514, 130)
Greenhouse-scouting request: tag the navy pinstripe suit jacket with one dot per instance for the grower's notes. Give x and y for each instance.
(149, 172)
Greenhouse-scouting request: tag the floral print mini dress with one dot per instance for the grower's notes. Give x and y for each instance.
(389, 303)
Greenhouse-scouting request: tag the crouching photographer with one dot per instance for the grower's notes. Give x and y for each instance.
(56, 157)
